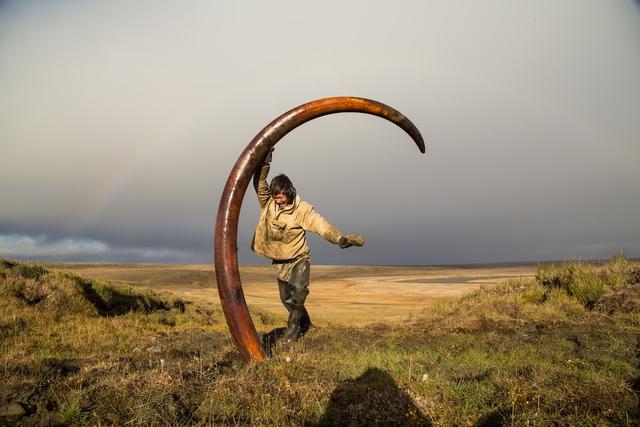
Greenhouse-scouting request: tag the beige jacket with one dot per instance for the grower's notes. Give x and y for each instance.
(280, 233)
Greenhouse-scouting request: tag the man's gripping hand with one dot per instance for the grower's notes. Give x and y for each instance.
(268, 157)
(351, 240)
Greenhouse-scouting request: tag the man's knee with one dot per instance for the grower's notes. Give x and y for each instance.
(300, 281)
(300, 272)
(285, 291)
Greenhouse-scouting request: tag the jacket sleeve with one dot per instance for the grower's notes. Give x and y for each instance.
(312, 221)
(262, 189)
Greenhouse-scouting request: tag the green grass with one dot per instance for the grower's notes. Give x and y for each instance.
(561, 349)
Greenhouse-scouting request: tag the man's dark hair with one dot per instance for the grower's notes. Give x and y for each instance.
(282, 184)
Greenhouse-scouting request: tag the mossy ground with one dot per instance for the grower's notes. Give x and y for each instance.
(562, 349)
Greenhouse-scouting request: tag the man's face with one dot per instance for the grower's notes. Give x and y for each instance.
(280, 199)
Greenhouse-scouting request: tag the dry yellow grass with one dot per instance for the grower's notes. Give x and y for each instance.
(559, 349)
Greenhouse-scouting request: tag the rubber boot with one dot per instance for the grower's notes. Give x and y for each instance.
(294, 327)
(299, 320)
(305, 321)
(285, 296)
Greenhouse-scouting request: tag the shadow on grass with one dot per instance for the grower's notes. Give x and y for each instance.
(271, 339)
(111, 301)
(372, 399)
(495, 418)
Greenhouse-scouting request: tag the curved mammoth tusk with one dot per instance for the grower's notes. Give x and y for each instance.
(226, 233)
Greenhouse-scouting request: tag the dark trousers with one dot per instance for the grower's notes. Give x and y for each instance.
(293, 294)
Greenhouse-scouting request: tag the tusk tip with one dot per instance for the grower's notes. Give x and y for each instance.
(420, 143)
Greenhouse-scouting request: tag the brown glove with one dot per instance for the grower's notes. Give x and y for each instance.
(351, 240)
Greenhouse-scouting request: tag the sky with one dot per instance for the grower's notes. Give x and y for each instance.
(120, 122)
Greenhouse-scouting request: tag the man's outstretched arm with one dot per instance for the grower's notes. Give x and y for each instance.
(313, 221)
(261, 187)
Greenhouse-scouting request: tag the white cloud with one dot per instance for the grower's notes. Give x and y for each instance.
(24, 246)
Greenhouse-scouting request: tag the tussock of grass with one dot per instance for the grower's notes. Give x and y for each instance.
(561, 349)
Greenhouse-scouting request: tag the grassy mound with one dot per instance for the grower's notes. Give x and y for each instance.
(561, 349)
(60, 293)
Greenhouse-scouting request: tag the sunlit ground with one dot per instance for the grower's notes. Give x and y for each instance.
(354, 295)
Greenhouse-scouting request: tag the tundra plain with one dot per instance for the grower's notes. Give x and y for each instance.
(344, 295)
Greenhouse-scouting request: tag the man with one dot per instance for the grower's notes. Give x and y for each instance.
(280, 236)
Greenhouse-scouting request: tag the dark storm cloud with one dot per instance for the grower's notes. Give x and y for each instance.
(120, 121)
